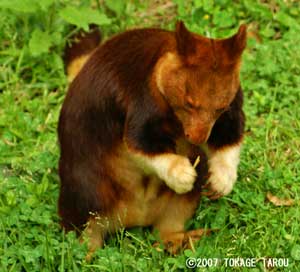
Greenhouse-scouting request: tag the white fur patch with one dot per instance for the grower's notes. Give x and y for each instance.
(175, 170)
(223, 169)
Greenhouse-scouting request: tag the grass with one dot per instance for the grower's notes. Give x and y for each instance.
(33, 86)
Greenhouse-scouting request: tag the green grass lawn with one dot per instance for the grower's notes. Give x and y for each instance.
(33, 86)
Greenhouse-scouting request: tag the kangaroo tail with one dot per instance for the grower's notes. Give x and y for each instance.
(79, 49)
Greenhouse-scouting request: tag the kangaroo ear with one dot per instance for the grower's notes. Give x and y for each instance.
(237, 43)
(186, 43)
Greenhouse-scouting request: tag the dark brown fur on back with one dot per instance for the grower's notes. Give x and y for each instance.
(113, 84)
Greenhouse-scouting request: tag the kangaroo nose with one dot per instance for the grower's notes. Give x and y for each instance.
(196, 138)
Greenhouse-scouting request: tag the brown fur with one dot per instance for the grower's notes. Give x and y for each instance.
(79, 49)
(201, 82)
(142, 94)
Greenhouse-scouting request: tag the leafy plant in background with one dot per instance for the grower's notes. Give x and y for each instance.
(40, 28)
(223, 15)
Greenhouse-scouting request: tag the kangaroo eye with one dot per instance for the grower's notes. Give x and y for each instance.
(221, 110)
(189, 105)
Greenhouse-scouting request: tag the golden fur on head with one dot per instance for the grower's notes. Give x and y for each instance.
(200, 79)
